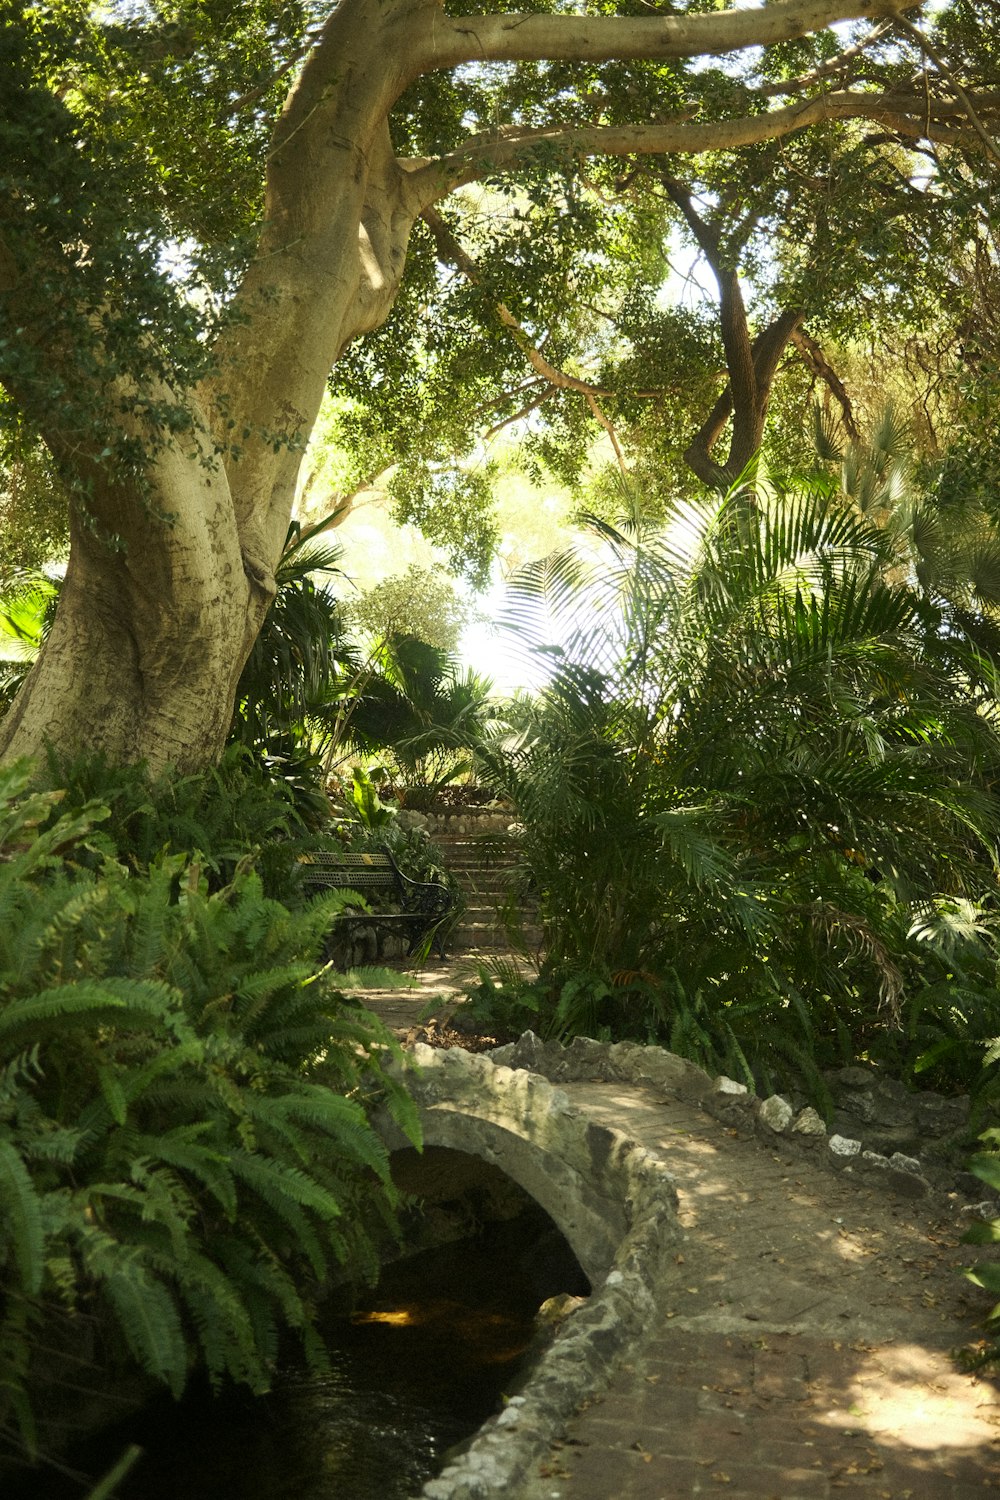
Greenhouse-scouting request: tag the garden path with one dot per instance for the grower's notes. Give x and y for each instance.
(803, 1350)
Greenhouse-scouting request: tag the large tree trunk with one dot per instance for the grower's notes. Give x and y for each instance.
(151, 630)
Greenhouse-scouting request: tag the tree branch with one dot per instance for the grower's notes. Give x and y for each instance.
(960, 93)
(451, 251)
(829, 69)
(821, 367)
(732, 313)
(453, 40)
(905, 115)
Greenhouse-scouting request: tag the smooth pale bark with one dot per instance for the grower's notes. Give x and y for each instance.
(141, 656)
(149, 643)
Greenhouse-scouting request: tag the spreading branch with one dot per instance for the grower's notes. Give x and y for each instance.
(452, 41)
(910, 117)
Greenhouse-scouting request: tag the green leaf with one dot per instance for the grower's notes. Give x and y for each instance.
(21, 1219)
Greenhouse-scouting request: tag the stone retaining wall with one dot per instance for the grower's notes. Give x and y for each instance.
(614, 1201)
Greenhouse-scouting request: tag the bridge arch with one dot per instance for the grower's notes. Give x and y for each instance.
(581, 1173)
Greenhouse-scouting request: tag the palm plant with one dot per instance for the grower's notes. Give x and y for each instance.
(27, 608)
(424, 710)
(751, 765)
(301, 661)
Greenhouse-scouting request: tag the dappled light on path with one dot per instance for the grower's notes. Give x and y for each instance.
(913, 1397)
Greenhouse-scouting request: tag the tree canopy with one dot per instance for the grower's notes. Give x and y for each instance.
(203, 206)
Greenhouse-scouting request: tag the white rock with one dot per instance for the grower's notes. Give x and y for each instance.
(777, 1113)
(724, 1085)
(808, 1122)
(843, 1145)
(905, 1163)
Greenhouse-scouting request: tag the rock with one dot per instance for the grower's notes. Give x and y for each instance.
(905, 1163)
(621, 1056)
(986, 1210)
(808, 1122)
(724, 1085)
(529, 1052)
(776, 1113)
(852, 1078)
(937, 1116)
(408, 818)
(844, 1146)
(908, 1184)
(583, 1059)
(664, 1070)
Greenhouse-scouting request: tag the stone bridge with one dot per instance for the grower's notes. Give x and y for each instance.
(599, 1188)
(755, 1304)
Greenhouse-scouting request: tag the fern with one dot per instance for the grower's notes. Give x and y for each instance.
(165, 1153)
(21, 1232)
(147, 1315)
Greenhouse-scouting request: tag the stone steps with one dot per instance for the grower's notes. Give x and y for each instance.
(484, 866)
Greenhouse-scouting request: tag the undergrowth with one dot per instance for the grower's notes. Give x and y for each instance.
(185, 1154)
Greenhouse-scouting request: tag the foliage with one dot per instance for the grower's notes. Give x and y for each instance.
(753, 788)
(237, 816)
(33, 519)
(568, 303)
(160, 338)
(421, 602)
(986, 1166)
(373, 825)
(300, 670)
(184, 1152)
(27, 608)
(423, 714)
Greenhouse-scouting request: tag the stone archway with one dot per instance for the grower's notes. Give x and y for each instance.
(582, 1174)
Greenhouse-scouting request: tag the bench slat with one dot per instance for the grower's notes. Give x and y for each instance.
(424, 903)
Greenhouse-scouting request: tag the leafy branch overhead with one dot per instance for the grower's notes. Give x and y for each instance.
(200, 210)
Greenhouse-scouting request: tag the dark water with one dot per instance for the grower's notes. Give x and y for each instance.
(420, 1365)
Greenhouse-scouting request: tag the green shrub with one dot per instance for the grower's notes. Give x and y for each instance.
(756, 796)
(986, 1166)
(184, 1149)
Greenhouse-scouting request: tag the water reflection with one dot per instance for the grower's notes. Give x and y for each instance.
(420, 1365)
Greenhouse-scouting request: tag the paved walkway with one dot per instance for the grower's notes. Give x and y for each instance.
(803, 1351)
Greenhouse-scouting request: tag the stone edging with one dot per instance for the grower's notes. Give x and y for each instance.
(585, 1060)
(591, 1339)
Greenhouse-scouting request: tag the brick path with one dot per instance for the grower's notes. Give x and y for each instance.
(803, 1352)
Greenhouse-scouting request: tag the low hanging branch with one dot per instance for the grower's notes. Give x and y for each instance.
(823, 370)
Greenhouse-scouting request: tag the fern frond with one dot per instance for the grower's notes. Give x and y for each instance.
(84, 1000)
(21, 1219)
(279, 1185)
(148, 1317)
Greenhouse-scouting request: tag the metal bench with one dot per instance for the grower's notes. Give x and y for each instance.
(423, 904)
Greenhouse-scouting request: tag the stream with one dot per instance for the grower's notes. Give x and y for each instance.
(421, 1363)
